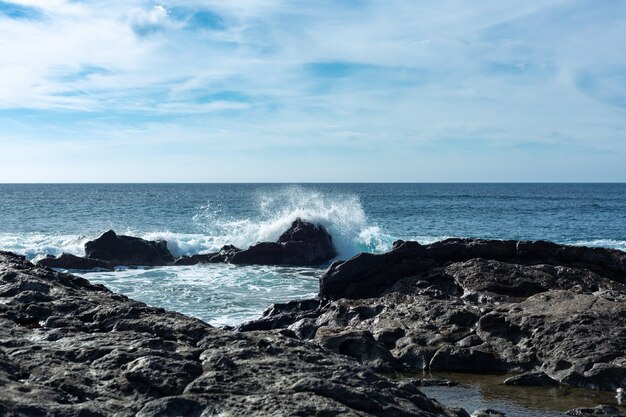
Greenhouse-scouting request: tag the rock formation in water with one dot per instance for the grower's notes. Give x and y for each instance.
(70, 348)
(470, 305)
(69, 261)
(128, 250)
(223, 256)
(303, 244)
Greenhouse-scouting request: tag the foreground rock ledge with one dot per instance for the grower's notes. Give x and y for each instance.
(468, 305)
(69, 348)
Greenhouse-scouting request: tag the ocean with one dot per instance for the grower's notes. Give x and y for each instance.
(39, 219)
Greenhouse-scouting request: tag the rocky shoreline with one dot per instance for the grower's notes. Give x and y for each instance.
(70, 348)
(551, 314)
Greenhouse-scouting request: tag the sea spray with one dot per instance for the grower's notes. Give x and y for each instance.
(341, 214)
(36, 245)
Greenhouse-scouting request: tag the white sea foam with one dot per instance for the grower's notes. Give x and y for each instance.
(269, 214)
(604, 243)
(34, 245)
(342, 215)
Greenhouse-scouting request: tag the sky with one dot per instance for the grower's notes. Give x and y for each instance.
(312, 91)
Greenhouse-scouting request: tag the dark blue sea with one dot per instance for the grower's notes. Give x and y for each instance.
(37, 219)
(197, 218)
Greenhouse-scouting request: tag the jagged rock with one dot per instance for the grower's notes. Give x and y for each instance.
(360, 345)
(70, 348)
(128, 250)
(369, 275)
(302, 244)
(531, 379)
(69, 261)
(264, 253)
(223, 256)
(506, 311)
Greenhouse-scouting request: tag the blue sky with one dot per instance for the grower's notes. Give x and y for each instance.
(301, 91)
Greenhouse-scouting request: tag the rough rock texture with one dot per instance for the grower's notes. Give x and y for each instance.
(69, 261)
(366, 275)
(223, 256)
(128, 250)
(302, 244)
(69, 348)
(510, 307)
(531, 379)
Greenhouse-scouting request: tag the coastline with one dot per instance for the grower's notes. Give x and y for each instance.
(456, 305)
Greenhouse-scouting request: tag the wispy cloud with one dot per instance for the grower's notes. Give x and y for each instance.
(421, 77)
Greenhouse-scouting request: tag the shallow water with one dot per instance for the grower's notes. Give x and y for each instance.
(216, 293)
(487, 391)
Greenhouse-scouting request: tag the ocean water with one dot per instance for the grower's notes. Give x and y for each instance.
(199, 218)
(39, 219)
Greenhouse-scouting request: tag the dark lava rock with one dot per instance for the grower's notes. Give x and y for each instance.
(223, 256)
(531, 379)
(69, 348)
(428, 382)
(264, 253)
(303, 244)
(367, 275)
(128, 250)
(601, 410)
(69, 261)
(477, 306)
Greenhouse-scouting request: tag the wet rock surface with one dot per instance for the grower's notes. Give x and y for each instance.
(128, 250)
(223, 256)
(303, 244)
(601, 410)
(70, 348)
(475, 306)
(69, 261)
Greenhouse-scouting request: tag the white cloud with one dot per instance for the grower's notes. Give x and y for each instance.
(506, 73)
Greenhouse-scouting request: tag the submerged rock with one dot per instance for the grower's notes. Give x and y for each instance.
(531, 379)
(70, 348)
(601, 410)
(69, 261)
(223, 256)
(477, 306)
(128, 250)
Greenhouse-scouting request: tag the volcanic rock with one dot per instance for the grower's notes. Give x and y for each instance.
(531, 379)
(477, 306)
(303, 244)
(70, 348)
(69, 261)
(366, 275)
(128, 250)
(223, 256)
